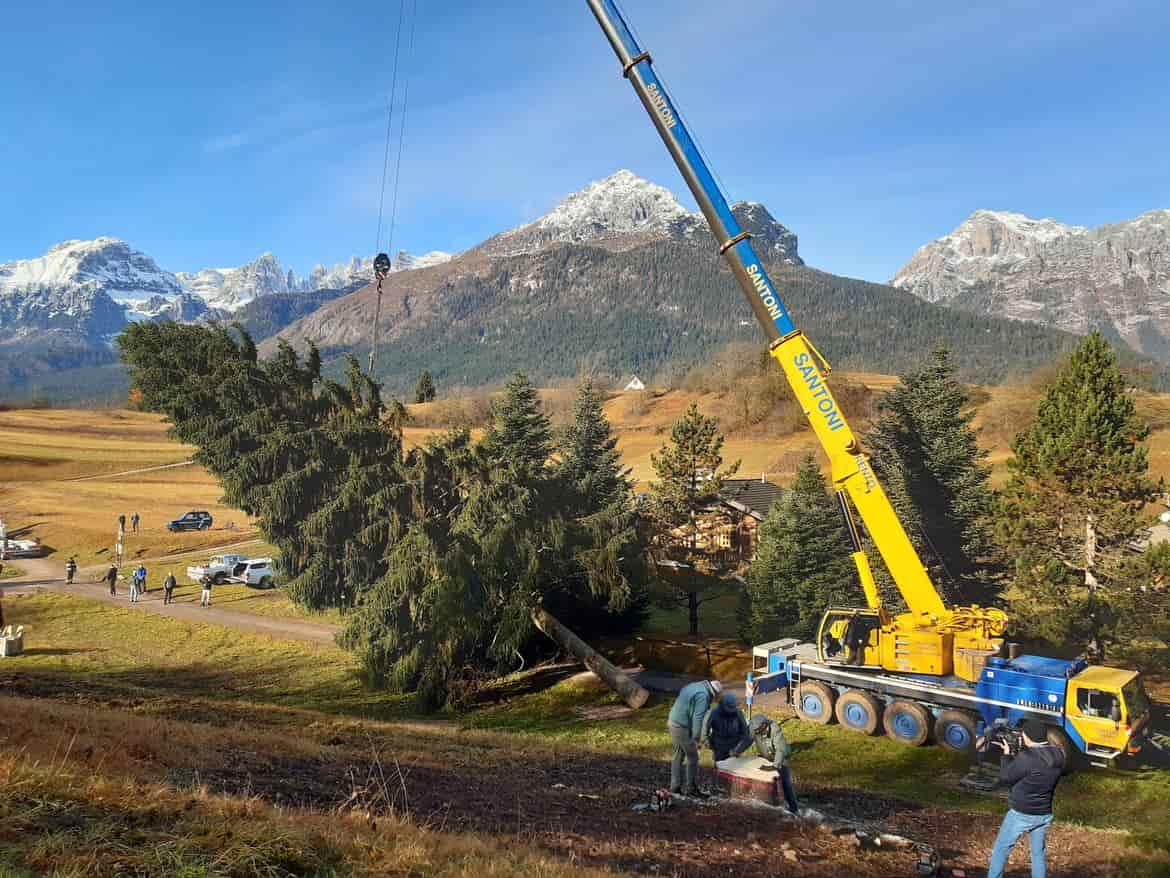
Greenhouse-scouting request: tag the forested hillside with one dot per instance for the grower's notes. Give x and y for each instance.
(661, 308)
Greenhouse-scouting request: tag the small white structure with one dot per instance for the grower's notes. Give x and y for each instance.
(635, 384)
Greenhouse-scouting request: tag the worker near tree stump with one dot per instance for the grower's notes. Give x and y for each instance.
(1033, 776)
(773, 746)
(685, 724)
(725, 730)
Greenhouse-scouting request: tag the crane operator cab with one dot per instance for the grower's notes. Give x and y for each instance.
(1108, 709)
(850, 637)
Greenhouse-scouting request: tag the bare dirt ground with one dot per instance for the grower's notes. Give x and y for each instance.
(568, 801)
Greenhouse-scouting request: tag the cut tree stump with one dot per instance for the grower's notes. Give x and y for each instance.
(625, 686)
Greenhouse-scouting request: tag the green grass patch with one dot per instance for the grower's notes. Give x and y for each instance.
(717, 618)
(112, 651)
(10, 571)
(273, 603)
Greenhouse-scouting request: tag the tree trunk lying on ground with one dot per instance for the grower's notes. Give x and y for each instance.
(633, 694)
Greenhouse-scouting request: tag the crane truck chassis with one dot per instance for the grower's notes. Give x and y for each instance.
(934, 667)
(1092, 712)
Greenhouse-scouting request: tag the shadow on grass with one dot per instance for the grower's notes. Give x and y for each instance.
(40, 650)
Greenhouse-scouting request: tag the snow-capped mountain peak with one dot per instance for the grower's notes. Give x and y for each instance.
(622, 203)
(1071, 277)
(623, 210)
(107, 265)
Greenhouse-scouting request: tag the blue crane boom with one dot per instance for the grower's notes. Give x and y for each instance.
(931, 638)
(734, 243)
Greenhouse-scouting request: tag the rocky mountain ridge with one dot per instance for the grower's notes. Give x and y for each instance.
(1115, 277)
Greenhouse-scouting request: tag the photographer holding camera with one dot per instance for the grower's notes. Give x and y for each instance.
(1032, 774)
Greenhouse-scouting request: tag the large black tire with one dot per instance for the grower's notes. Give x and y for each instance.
(266, 582)
(956, 730)
(219, 578)
(907, 722)
(859, 711)
(814, 703)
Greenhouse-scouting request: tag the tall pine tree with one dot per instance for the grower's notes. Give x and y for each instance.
(685, 497)
(590, 463)
(424, 391)
(1079, 481)
(519, 434)
(925, 450)
(802, 565)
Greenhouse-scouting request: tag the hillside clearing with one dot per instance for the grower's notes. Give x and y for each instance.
(143, 743)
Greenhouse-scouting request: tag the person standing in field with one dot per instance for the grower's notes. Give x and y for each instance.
(1032, 775)
(141, 574)
(112, 578)
(134, 587)
(168, 587)
(685, 724)
(70, 570)
(205, 597)
(134, 519)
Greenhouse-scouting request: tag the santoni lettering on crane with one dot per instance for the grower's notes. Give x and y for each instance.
(819, 390)
(764, 291)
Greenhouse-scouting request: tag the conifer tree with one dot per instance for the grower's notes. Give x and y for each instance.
(690, 476)
(925, 450)
(424, 391)
(802, 565)
(519, 433)
(1079, 481)
(590, 463)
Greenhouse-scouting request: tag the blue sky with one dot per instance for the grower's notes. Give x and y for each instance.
(207, 133)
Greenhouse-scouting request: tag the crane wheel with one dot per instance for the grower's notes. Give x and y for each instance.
(859, 711)
(956, 730)
(907, 722)
(814, 703)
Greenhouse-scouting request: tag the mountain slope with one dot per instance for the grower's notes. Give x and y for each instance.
(1068, 277)
(641, 302)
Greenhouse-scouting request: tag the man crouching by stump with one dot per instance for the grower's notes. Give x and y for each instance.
(773, 746)
(725, 730)
(685, 725)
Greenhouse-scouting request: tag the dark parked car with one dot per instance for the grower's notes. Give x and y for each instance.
(191, 521)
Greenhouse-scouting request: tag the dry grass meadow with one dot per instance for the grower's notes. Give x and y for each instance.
(139, 744)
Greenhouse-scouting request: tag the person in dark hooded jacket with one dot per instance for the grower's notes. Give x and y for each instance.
(773, 746)
(725, 730)
(1032, 776)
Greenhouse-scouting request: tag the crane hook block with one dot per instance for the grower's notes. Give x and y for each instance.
(381, 266)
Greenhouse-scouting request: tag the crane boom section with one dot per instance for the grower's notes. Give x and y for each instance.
(802, 365)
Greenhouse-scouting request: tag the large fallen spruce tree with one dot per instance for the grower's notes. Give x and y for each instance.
(447, 559)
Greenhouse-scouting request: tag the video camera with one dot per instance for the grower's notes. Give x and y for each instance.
(1013, 737)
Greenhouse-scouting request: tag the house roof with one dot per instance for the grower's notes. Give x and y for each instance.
(753, 496)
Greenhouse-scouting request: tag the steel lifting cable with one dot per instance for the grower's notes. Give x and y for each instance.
(381, 260)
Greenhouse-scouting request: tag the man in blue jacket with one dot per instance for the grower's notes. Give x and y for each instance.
(725, 730)
(685, 725)
(1032, 776)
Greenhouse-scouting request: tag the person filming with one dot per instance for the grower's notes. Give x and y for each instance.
(1032, 775)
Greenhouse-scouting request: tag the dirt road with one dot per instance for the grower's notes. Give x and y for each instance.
(46, 574)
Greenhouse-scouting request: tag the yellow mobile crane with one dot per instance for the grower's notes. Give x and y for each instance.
(930, 638)
(934, 667)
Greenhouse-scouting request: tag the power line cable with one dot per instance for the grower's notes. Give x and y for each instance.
(382, 271)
